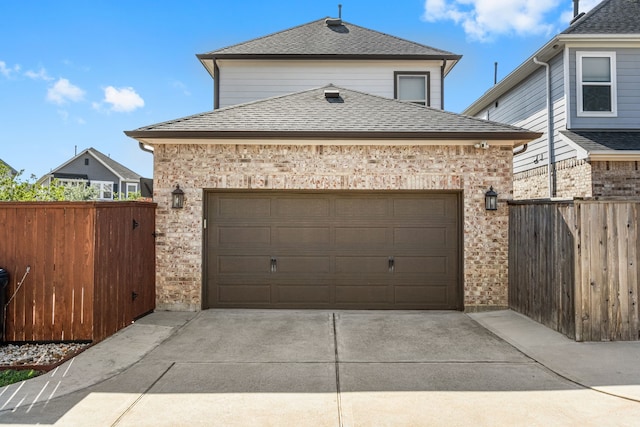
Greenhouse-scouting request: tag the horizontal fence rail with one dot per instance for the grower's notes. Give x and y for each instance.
(91, 268)
(573, 266)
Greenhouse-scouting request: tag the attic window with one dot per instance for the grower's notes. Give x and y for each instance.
(86, 162)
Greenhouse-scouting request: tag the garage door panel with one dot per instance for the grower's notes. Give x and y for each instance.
(362, 265)
(423, 265)
(301, 264)
(362, 207)
(302, 236)
(361, 237)
(252, 207)
(424, 237)
(302, 207)
(434, 295)
(436, 207)
(317, 294)
(350, 294)
(243, 264)
(244, 294)
(243, 236)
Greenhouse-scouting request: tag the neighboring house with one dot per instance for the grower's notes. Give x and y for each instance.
(582, 91)
(330, 196)
(12, 171)
(93, 168)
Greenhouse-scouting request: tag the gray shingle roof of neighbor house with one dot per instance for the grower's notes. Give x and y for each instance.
(609, 17)
(615, 18)
(605, 140)
(351, 115)
(122, 171)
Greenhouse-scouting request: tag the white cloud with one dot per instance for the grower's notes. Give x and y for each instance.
(182, 87)
(40, 75)
(63, 91)
(484, 20)
(122, 100)
(8, 71)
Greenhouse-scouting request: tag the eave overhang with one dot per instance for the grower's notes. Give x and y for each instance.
(209, 60)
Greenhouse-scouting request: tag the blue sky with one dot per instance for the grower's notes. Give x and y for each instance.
(78, 73)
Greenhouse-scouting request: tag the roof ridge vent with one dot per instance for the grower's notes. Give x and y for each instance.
(333, 22)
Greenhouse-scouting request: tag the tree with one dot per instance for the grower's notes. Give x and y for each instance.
(14, 189)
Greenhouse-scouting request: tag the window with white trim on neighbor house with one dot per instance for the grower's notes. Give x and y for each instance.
(412, 87)
(596, 84)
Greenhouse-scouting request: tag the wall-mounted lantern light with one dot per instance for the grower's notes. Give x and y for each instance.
(177, 198)
(491, 200)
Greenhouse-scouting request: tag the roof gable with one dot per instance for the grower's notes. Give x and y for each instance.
(609, 17)
(116, 168)
(319, 39)
(351, 115)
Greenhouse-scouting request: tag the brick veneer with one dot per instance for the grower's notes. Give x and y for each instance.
(326, 167)
(580, 178)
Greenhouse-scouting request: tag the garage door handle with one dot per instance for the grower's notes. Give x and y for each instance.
(392, 264)
(274, 264)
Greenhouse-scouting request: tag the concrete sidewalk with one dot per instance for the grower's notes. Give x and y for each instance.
(342, 368)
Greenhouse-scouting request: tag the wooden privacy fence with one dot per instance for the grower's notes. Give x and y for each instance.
(573, 266)
(92, 268)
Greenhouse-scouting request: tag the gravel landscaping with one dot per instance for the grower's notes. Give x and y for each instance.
(35, 355)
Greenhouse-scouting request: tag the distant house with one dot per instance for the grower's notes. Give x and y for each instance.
(91, 167)
(582, 91)
(11, 170)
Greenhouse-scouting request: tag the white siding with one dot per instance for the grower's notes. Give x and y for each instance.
(243, 80)
(628, 91)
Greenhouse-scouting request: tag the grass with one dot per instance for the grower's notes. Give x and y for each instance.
(11, 376)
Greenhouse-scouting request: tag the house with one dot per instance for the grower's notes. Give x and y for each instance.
(334, 195)
(91, 167)
(11, 170)
(582, 91)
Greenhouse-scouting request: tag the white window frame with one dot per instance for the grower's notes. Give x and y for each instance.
(135, 186)
(71, 182)
(612, 84)
(426, 75)
(103, 187)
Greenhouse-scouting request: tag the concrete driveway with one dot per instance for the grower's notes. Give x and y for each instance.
(315, 368)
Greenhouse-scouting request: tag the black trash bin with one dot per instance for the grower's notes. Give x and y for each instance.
(4, 284)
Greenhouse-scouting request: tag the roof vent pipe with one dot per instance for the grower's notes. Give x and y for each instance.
(576, 7)
(339, 11)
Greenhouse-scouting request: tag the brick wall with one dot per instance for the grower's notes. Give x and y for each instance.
(366, 167)
(573, 179)
(616, 179)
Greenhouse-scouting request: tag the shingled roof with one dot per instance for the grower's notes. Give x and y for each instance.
(605, 140)
(609, 17)
(351, 115)
(317, 39)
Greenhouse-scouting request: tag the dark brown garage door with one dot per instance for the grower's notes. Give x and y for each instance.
(352, 250)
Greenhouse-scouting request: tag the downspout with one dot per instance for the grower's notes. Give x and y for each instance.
(444, 62)
(550, 156)
(216, 85)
